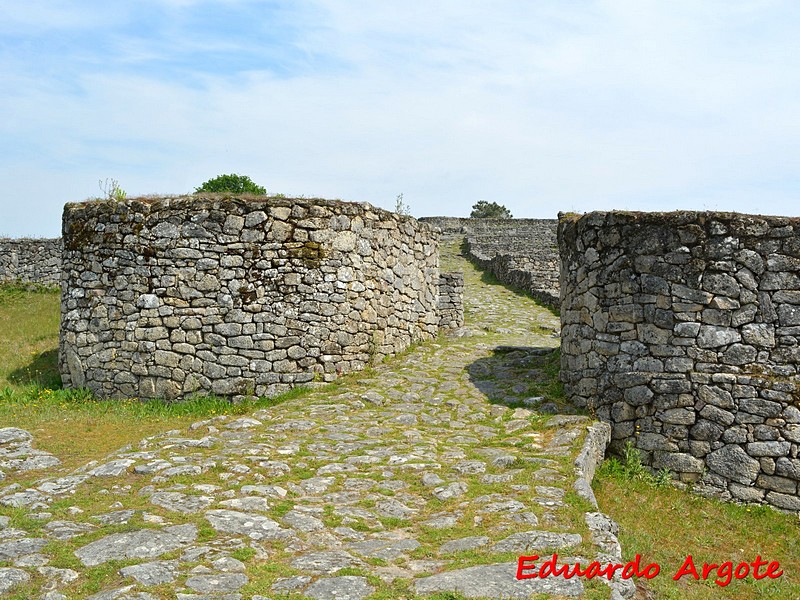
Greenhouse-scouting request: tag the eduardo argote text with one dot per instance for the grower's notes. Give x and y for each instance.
(722, 574)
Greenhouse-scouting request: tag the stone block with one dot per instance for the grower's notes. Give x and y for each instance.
(733, 463)
(677, 462)
(712, 336)
(774, 449)
(785, 501)
(746, 493)
(680, 416)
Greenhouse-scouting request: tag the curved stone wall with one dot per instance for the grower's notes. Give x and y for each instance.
(165, 297)
(683, 330)
(30, 260)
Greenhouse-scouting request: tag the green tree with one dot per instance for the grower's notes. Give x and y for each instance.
(234, 184)
(489, 210)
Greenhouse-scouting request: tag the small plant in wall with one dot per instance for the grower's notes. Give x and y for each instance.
(630, 468)
(111, 190)
(400, 207)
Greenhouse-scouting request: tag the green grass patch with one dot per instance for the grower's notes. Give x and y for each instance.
(243, 554)
(630, 468)
(280, 508)
(665, 524)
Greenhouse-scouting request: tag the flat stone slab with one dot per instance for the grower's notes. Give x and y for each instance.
(39, 460)
(217, 582)
(152, 573)
(11, 435)
(113, 468)
(62, 485)
(25, 498)
(124, 593)
(143, 543)
(254, 526)
(467, 543)
(183, 503)
(21, 547)
(11, 578)
(346, 587)
(528, 542)
(496, 581)
(384, 549)
(326, 563)
(66, 530)
(247, 503)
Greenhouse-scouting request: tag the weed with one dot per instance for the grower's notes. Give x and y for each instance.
(400, 207)
(662, 478)
(111, 190)
(631, 468)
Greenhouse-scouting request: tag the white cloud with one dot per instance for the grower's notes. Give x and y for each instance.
(540, 106)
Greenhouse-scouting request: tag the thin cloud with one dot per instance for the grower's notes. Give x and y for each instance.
(540, 106)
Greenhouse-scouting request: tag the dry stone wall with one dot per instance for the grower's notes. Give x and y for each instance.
(451, 300)
(522, 253)
(29, 260)
(683, 331)
(165, 297)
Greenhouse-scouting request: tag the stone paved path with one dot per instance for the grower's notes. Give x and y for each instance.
(431, 473)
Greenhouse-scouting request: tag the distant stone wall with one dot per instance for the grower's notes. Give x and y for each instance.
(522, 253)
(449, 226)
(167, 297)
(30, 260)
(683, 331)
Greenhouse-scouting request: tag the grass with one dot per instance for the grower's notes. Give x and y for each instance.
(665, 525)
(29, 317)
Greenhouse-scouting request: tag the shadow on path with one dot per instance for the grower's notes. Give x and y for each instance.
(521, 376)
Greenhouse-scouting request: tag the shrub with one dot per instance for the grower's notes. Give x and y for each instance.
(234, 184)
(489, 210)
(630, 468)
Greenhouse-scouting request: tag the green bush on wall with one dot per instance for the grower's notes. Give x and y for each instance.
(235, 184)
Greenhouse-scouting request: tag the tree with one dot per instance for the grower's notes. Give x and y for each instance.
(489, 210)
(234, 184)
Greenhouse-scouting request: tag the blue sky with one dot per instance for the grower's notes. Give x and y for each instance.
(540, 105)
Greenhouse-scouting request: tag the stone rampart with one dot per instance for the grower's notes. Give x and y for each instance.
(165, 297)
(522, 253)
(683, 331)
(28, 260)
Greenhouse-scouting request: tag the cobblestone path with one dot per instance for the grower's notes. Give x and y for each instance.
(427, 476)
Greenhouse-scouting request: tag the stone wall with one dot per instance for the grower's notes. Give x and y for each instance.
(522, 253)
(451, 300)
(165, 297)
(683, 331)
(30, 260)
